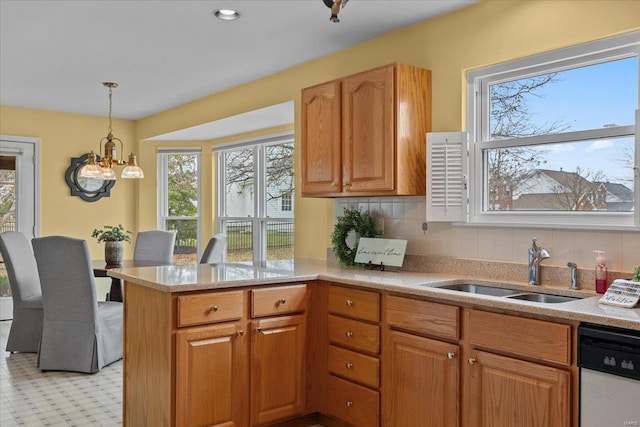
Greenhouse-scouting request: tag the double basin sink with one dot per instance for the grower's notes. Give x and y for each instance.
(509, 293)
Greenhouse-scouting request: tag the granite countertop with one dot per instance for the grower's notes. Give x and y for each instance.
(198, 277)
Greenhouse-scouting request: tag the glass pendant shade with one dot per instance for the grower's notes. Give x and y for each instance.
(90, 171)
(108, 174)
(132, 170)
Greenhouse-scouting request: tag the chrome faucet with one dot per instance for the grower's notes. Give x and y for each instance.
(574, 275)
(536, 256)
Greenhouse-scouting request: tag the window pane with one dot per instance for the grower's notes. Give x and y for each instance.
(186, 246)
(7, 193)
(239, 240)
(583, 98)
(182, 184)
(239, 184)
(595, 175)
(279, 240)
(280, 180)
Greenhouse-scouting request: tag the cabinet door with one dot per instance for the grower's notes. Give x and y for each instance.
(368, 120)
(277, 368)
(506, 392)
(422, 379)
(211, 368)
(321, 144)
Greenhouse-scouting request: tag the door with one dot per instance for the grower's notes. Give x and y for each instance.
(211, 365)
(506, 392)
(422, 382)
(368, 120)
(18, 185)
(277, 368)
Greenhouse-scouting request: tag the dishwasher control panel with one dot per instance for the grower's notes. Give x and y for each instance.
(611, 350)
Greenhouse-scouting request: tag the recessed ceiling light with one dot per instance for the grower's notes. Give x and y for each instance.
(226, 14)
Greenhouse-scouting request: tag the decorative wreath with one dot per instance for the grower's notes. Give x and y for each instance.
(362, 223)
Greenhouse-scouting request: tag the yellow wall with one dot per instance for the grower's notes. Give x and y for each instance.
(482, 34)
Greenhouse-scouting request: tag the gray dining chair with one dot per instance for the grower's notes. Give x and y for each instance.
(24, 282)
(79, 333)
(154, 245)
(214, 252)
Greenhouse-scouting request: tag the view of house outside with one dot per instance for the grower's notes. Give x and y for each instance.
(587, 175)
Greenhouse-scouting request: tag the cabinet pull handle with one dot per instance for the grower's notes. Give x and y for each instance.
(349, 303)
(282, 300)
(240, 333)
(334, 184)
(349, 365)
(213, 308)
(349, 334)
(349, 403)
(451, 355)
(472, 361)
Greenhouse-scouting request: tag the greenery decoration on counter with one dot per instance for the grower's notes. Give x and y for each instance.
(636, 274)
(360, 222)
(112, 233)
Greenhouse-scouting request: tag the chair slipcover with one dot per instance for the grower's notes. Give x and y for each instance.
(154, 245)
(24, 281)
(79, 333)
(214, 251)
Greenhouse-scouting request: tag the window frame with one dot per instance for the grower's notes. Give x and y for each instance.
(477, 113)
(163, 195)
(260, 218)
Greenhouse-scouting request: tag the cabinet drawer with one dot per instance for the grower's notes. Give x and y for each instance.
(210, 308)
(356, 303)
(357, 405)
(423, 316)
(354, 366)
(537, 339)
(279, 300)
(354, 334)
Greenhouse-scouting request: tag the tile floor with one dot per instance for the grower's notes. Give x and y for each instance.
(29, 397)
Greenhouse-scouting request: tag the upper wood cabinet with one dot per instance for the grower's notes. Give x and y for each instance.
(364, 134)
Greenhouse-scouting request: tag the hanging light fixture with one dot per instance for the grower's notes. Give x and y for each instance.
(103, 168)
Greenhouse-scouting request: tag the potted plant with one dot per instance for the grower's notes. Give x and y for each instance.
(112, 236)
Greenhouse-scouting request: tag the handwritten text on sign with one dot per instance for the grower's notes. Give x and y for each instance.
(387, 251)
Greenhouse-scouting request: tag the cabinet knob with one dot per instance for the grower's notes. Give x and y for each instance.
(472, 361)
(349, 334)
(349, 303)
(349, 403)
(213, 308)
(451, 355)
(240, 333)
(282, 300)
(258, 329)
(334, 184)
(349, 365)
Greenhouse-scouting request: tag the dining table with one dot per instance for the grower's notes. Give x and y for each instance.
(101, 268)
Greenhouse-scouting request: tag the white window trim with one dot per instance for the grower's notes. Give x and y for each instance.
(163, 207)
(260, 219)
(618, 47)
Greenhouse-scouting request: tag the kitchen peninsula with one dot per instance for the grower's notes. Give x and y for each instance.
(258, 344)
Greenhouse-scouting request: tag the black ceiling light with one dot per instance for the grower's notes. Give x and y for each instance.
(335, 6)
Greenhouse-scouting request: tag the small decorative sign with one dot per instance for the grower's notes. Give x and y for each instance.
(623, 293)
(389, 252)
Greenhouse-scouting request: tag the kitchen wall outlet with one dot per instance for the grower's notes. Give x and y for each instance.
(425, 227)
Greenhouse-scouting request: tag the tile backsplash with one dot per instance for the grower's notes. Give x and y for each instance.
(402, 218)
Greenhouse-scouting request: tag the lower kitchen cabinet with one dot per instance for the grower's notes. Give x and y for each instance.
(277, 368)
(211, 365)
(422, 382)
(506, 392)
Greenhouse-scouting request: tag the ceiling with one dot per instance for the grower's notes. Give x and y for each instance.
(55, 54)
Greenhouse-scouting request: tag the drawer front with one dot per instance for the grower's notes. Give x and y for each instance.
(355, 303)
(537, 339)
(210, 308)
(278, 300)
(423, 316)
(355, 404)
(354, 334)
(354, 366)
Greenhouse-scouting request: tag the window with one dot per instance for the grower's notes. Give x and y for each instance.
(554, 137)
(179, 195)
(255, 199)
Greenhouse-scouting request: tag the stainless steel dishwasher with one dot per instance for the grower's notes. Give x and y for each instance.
(609, 360)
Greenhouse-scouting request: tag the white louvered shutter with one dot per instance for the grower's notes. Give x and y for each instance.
(446, 176)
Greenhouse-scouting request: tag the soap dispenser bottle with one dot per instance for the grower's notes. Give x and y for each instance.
(601, 272)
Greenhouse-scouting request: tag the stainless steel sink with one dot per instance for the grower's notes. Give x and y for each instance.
(543, 298)
(479, 289)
